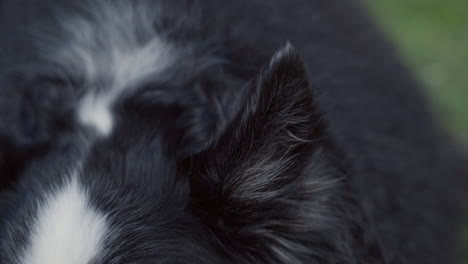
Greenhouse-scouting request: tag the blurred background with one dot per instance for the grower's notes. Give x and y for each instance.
(432, 36)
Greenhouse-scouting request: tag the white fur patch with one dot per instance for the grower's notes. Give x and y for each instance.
(112, 46)
(95, 111)
(67, 229)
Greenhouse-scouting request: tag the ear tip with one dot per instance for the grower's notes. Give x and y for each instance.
(287, 50)
(287, 54)
(289, 46)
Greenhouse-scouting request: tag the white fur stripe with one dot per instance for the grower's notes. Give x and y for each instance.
(67, 229)
(95, 111)
(112, 49)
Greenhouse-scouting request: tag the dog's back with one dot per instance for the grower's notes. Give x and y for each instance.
(201, 72)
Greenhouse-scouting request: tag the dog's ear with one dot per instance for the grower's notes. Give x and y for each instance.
(261, 187)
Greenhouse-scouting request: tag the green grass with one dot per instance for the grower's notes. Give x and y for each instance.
(433, 37)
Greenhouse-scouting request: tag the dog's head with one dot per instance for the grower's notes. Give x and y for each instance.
(250, 182)
(258, 193)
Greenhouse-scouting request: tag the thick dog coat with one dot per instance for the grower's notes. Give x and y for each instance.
(176, 131)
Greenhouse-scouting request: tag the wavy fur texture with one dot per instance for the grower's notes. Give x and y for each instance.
(196, 133)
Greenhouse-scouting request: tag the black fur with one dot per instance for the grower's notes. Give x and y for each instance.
(249, 151)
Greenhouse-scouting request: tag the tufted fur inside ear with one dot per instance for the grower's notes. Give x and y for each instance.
(262, 187)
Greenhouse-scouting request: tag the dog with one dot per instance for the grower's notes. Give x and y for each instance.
(177, 131)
